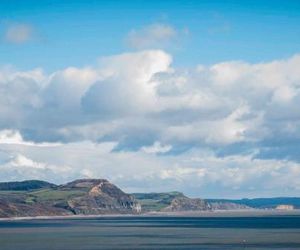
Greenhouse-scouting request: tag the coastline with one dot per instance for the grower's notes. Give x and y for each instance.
(215, 213)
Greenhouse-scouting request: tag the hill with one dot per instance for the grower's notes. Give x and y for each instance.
(169, 202)
(25, 185)
(178, 202)
(99, 196)
(86, 196)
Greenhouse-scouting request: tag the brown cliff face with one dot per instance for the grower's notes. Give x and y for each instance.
(86, 196)
(102, 197)
(187, 204)
(228, 206)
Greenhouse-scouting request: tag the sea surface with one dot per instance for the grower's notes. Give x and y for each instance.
(152, 232)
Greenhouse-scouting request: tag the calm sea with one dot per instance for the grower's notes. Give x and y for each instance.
(272, 232)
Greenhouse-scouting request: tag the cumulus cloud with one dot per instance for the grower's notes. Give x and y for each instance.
(129, 89)
(226, 103)
(19, 33)
(197, 172)
(24, 162)
(150, 112)
(157, 147)
(19, 167)
(10, 137)
(153, 36)
(13, 137)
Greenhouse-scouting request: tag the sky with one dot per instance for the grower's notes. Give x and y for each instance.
(195, 96)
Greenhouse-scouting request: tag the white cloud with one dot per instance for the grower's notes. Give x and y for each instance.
(13, 137)
(157, 147)
(197, 172)
(226, 130)
(20, 167)
(19, 33)
(129, 89)
(10, 137)
(137, 99)
(24, 162)
(222, 104)
(155, 35)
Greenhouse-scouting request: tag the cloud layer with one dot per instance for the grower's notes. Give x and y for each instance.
(197, 172)
(240, 120)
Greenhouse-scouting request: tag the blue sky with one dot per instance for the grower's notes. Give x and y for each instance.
(77, 33)
(195, 96)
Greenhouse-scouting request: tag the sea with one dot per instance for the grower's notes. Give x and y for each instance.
(152, 232)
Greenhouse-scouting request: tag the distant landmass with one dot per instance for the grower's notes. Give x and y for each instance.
(263, 203)
(25, 185)
(99, 196)
(178, 202)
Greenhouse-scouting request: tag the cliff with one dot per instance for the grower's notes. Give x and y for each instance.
(86, 196)
(187, 204)
(170, 202)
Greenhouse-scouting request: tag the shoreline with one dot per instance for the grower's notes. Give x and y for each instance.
(200, 214)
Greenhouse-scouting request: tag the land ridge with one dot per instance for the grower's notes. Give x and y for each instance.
(33, 198)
